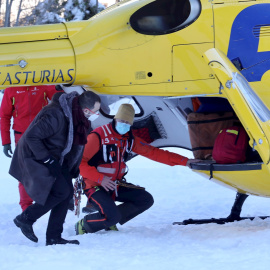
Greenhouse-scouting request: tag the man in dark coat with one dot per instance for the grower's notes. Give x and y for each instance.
(22, 104)
(48, 156)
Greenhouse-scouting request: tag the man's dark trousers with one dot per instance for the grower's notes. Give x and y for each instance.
(57, 202)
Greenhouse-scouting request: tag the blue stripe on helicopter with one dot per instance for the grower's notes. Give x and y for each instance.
(244, 43)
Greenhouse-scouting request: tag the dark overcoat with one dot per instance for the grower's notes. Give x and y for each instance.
(50, 134)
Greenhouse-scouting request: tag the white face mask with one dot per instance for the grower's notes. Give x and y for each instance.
(90, 115)
(93, 117)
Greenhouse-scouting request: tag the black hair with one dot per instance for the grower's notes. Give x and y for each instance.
(88, 99)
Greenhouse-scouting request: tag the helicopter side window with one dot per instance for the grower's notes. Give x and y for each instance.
(165, 16)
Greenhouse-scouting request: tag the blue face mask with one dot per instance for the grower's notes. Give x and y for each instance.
(122, 128)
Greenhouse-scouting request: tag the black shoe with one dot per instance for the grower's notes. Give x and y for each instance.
(26, 228)
(61, 241)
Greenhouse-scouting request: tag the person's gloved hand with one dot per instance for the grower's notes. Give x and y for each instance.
(53, 165)
(7, 150)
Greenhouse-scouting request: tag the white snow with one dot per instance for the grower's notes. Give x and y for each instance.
(149, 241)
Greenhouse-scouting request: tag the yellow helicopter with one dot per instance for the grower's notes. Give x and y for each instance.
(160, 55)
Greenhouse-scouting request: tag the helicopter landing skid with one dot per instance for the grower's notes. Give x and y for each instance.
(220, 221)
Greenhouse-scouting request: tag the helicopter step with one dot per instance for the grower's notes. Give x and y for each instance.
(220, 221)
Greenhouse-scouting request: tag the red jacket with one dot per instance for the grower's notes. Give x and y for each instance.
(23, 104)
(104, 154)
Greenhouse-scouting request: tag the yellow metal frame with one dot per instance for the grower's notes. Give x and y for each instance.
(255, 182)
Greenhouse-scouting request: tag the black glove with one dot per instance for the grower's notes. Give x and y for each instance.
(58, 87)
(7, 150)
(53, 165)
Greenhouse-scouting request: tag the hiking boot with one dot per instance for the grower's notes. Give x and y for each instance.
(26, 228)
(112, 228)
(60, 241)
(79, 229)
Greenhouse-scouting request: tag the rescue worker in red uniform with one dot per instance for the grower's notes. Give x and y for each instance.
(23, 104)
(103, 164)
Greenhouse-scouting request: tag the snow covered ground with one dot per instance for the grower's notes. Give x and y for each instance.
(149, 241)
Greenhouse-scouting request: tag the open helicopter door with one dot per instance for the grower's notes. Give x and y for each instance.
(160, 121)
(254, 177)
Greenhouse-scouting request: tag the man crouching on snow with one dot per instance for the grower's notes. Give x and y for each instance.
(48, 156)
(103, 166)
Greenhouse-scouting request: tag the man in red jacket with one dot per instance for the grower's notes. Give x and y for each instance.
(23, 104)
(103, 169)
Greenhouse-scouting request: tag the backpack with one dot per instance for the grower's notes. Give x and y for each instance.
(231, 145)
(204, 128)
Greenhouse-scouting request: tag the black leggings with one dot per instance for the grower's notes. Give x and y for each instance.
(135, 201)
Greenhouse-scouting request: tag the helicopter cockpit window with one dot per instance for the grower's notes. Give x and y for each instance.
(165, 16)
(110, 105)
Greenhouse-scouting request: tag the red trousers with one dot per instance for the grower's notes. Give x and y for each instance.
(25, 200)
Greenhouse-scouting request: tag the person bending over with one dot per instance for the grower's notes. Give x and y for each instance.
(103, 169)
